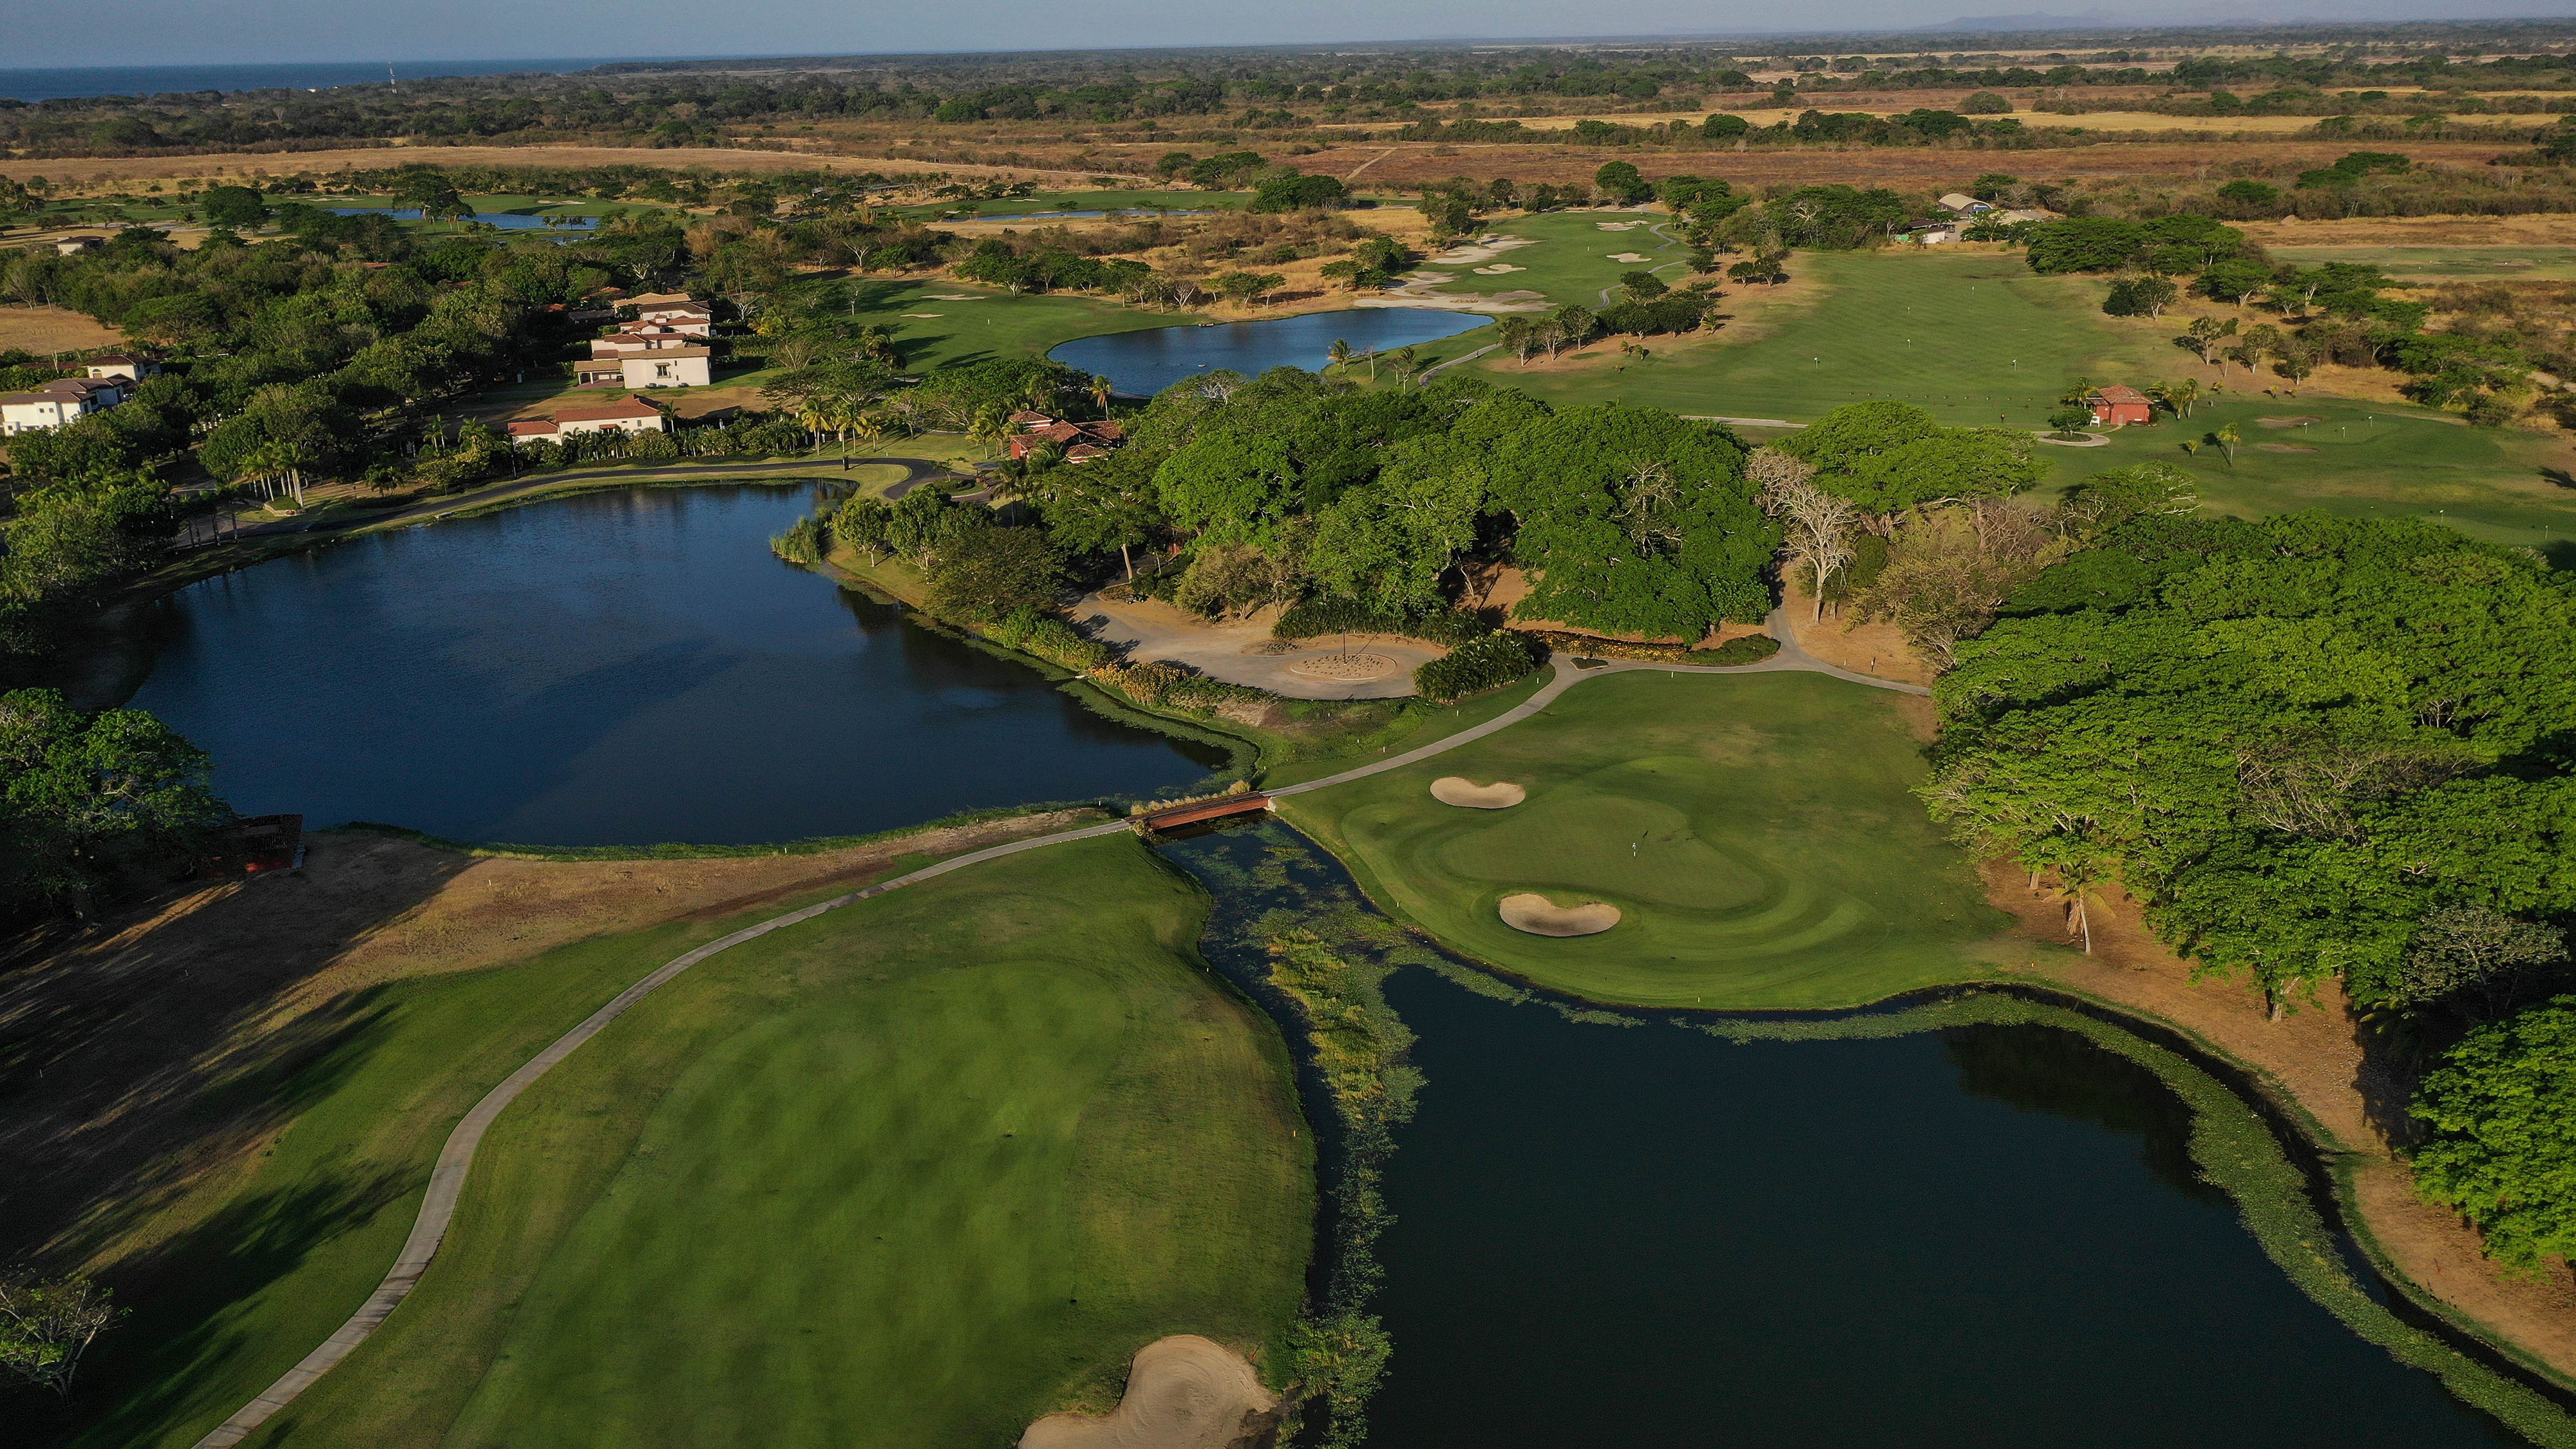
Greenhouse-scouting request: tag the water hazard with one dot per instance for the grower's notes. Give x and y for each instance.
(1140, 364)
(615, 668)
(1976, 1236)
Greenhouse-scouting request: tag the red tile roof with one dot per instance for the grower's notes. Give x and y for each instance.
(2119, 393)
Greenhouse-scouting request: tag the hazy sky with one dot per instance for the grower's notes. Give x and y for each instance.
(181, 32)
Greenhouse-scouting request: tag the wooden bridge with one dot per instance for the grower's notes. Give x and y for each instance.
(1198, 810)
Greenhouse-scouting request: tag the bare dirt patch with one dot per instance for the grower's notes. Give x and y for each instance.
(1539, 916)
(1242, 651)
(1467, 794)
(2539, 229)
(1875, 648)
(53, 329)
(2282, 448)
(2299, 421)
(1183, 1392)
(2315, 1055)
(116, 1042)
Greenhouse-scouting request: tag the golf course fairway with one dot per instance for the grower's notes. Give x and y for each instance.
(906, 1175)
(1756, 833)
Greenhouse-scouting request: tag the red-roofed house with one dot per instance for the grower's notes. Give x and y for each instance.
(1081, 442)
(634, 415)
(2116, 405)
(532, 430)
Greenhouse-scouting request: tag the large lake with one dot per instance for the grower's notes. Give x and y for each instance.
(1141, 364)
(1966, 1238)
(617, 668)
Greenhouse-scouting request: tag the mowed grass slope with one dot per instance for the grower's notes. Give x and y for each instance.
(932, 330)
(1976, 337)
(1569, 255)
(907, 1175)
(1756, 832)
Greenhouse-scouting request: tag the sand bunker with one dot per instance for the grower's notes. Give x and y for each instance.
(2285, 422)
(1345, 666)
(1537, 915)
(1628, 257)
(1457, 790)
(921, 314)
(1619, 225)
(1183, 1392)
(1499, 269)
(953, 297)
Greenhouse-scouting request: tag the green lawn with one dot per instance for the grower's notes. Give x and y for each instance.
(2448, 264)
(1974, 337)
(2370, 460)
(1569, 256)
(1756, 832)
(903, 1176)
(932, 330)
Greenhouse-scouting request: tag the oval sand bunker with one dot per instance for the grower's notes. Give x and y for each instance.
(1534, 913)
(1458, 790)
(1183, 1392)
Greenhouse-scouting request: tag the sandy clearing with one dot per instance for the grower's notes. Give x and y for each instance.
(2315, 1055)
(1242, 651)
(1539, 916)
(1467, 794)
(1183, 1392)
(2301, 420)
(53, 329)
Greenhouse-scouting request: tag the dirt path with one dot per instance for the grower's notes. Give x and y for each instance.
(1333, 666)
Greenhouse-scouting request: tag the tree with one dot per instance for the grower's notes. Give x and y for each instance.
(1886, 457)
(1987, 103)
(428, 191)
(2140, 297)
(2298, 358)
(91, 802)
(1763, 267)
(182, 320)
(2069, 418)
(2502, 1150)
(1820, 525)
(2179, 398)
(2462, 948)
(2111, 498)
(233, 206)
(1246, 287)
(1621, 182)
(1104, 505)
(990, 573)
(45, 1325)
(2229, 440)
(1228, 486)
(1642, 286)
(1340, 355)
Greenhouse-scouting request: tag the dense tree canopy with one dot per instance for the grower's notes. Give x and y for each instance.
(87, 802)
(1890, 456)
(2297, 739)
(2502, 1149)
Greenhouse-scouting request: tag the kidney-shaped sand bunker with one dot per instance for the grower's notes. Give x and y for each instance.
(1539, 916)
(1458, 790)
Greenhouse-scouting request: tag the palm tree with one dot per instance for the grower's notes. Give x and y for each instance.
(1340, 354)
(2181, 396)
(1100, 393)
(2079, 889)
(2228, 439)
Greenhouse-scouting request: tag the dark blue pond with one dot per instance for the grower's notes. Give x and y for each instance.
(1141, 364)
(505, 220)
(616, 668)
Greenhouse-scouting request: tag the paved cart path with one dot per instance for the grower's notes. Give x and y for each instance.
(456, 1159)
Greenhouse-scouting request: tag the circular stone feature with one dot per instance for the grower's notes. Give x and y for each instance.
(1352, 668)
(1539, 916)
(1457, 790)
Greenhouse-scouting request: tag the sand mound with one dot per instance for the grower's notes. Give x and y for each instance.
(2285, 422)
(1456, 790)
(1618, 225)
(1539, 916)
(1352, 667)
(1183, 1392)
(1499, 269)
(1628, 257)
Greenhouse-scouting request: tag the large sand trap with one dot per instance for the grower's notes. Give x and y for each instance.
(1457, 790)
(1537, 915)
(1183, 1392)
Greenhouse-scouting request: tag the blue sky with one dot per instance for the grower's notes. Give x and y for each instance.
(182, 32)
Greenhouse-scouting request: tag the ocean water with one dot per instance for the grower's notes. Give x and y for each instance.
(151, 80)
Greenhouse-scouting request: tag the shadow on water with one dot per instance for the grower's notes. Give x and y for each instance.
(1608, 1231)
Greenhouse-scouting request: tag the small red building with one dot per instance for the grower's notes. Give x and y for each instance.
(2116, 405)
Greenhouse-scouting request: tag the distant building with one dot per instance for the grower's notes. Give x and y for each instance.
(1963, 204)
(643, 337)
(64, 400)
(1081, 442)
(74, 245)
(634, 415)
(535, 430)
(130, 366)
(2032, 213)
(669, 367)
(1932, 233)
(690, 317)
(2117, 406)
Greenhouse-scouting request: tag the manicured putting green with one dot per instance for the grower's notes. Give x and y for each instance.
(907, 1175)
(1756, 833)
(1569, 256)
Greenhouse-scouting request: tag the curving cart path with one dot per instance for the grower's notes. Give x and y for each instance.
(456, 1158)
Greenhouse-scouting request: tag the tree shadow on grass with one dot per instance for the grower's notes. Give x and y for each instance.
(180, 1357)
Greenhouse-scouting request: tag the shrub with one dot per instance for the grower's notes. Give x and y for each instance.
(991, 573)
(1309, 618)
(1050, 638)
(804, 542)
(1480, 664)
(1743, 649)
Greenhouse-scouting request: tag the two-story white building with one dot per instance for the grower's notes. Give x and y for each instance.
(43, 409)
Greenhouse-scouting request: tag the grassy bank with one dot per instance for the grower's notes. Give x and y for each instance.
(908, 1174)
(1756, 833)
